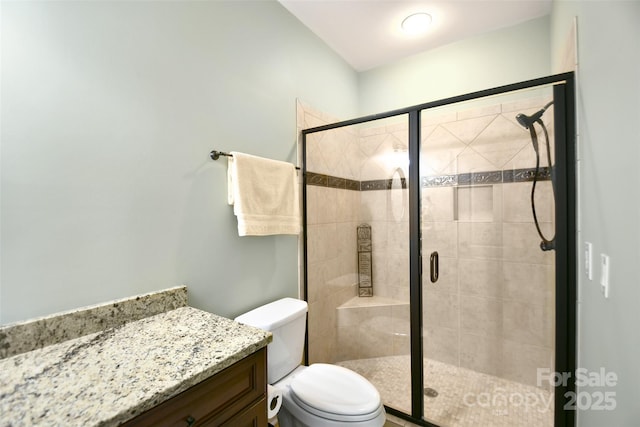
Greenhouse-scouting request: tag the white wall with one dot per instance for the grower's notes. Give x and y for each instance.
(109, 111)
(608, 104)
(493, 59)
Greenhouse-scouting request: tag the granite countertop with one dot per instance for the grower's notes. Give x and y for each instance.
(109, 377)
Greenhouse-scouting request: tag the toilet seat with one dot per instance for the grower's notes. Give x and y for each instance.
(335, 393)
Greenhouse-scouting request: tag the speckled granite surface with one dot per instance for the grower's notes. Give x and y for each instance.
(37, 333)
(106, 378)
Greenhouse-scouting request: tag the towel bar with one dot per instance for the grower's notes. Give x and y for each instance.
(215, 155)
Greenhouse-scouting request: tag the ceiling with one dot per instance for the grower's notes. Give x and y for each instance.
(366, 33)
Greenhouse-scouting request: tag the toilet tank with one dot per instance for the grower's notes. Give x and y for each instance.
(286, 320)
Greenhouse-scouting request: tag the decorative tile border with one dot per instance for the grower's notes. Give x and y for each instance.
(322, 180)
(30, 335)
(440, 181)
(494, 177)
(523, 175)
(380, 184)
(484, 178)
(463, 179)
(317, 179)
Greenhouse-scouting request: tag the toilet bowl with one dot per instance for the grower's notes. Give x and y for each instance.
(327, 395)
(319, 395)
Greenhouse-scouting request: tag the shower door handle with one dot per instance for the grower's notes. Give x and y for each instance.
(434, 264)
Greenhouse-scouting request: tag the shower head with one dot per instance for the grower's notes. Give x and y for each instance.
(527, 121)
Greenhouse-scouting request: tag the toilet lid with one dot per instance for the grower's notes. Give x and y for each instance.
(335, 390)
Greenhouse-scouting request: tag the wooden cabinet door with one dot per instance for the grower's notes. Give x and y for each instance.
(235, 391)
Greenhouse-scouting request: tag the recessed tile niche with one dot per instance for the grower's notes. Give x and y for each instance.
(473, 203)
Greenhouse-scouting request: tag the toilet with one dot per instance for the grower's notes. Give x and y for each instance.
(318, 395)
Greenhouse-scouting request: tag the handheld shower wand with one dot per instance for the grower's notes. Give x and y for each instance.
(527, 123)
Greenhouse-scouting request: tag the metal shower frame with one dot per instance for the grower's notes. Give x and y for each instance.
(565, 219)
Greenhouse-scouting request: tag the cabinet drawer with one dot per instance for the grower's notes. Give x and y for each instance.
(214, 400)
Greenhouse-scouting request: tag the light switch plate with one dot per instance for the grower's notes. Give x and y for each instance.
(605, 264)
(588, 260)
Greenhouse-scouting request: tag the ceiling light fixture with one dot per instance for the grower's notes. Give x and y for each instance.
(416, 24)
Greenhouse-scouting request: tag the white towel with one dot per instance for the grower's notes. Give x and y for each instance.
(264, 194)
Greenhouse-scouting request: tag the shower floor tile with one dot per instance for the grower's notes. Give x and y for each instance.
(464, 397)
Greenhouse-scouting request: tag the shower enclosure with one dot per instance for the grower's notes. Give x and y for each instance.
(423, 266)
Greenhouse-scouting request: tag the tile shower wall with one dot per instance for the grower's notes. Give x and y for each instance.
(493, 308)
(332, 218)
(387, 209)
(379, 326)
(341, 325)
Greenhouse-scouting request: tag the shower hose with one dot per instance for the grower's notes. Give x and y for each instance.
(545, 244)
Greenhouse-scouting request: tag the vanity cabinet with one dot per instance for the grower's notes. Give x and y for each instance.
(234, 397)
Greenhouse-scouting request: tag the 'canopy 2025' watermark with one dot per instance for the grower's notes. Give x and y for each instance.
(594, 393)
(597, 400)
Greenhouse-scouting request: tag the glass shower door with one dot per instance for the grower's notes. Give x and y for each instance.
(430, 259)
(358, 252)
(488, 319)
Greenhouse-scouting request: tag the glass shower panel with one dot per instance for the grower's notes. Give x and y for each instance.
(488, 321)
(358, 253)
